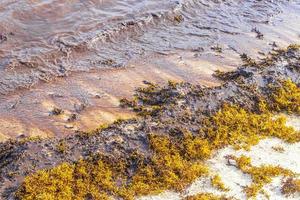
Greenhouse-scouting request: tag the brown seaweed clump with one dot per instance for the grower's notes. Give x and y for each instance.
(290, 187)
(175, 163)
(286, 97)
(99, 178)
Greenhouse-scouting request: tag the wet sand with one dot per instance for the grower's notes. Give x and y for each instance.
(93, 97)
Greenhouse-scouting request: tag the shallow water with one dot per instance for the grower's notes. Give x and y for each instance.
(42, 39)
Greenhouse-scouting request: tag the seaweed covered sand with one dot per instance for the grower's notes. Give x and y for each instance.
(179, 127)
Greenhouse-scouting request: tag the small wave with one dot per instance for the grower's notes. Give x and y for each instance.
(52, 38)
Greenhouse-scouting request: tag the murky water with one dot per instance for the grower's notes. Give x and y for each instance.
(85, 42)
(42, 39)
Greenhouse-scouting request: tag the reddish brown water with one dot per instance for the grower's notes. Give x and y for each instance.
(41, 39)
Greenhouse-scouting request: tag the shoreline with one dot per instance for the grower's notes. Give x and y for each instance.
(195, 111)
(92, 97)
